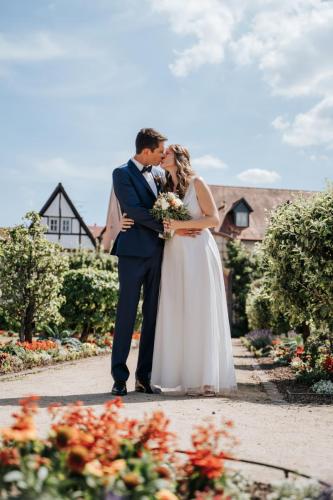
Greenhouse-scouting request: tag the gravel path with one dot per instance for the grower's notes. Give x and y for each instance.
(268, 429)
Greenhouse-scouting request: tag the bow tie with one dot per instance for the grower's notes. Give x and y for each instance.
(146, 169)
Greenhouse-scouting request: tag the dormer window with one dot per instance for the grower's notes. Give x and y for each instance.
(241, 213)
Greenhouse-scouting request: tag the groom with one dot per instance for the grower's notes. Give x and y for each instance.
(139, 251)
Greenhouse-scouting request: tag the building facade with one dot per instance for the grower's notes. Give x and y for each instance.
(64, 224)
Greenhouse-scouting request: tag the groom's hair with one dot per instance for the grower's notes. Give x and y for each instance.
(148, 138)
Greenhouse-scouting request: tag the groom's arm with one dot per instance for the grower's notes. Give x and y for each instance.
(130, 202)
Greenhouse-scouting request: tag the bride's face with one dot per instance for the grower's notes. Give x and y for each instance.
(168, 162)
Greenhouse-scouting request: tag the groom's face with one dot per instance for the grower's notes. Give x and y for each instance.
(155, 157)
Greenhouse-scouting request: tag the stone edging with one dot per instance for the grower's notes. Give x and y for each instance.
(269, 387)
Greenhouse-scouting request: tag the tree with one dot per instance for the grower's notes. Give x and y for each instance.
(31, 275)
(244, 268)
(298, 262)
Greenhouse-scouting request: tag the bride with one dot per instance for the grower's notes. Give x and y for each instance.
(192, 350)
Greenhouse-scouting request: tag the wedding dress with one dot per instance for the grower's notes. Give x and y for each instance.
(192, 350)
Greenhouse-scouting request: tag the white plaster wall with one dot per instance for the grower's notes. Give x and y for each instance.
(66, 210)
(53, 209)
(75, 226)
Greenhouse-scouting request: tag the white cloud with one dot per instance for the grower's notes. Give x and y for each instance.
(313, 128)
(210, 22)
(314, 157)
(34, 47)
(208, 162)
(280, 123)
(258, 176)
(58, 169)
(290, 43)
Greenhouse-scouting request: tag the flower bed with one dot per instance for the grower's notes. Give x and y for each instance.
(302, 373)
(17, 356)
(88, 456)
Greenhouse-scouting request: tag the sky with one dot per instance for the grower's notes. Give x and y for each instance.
(246, 86)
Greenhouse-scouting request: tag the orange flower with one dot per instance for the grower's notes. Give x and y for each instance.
(163, 471)
(132, 479)
(115, 467)
(94, 468)
(38, 345)
(23, 429)
(77, 458)
(165, 495)
(64, 436)
(9, 456)
(299, 350)
(210, 465)
(39, 461)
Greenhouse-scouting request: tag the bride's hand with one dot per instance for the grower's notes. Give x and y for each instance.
(126, 223)
(170, 225)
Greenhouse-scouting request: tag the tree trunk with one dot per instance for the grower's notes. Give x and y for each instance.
(29, 322)
(305, 332)
(85, 332)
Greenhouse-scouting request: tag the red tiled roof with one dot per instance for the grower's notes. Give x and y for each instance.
(261, 200)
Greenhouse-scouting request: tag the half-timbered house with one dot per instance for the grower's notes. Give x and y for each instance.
(64, 223)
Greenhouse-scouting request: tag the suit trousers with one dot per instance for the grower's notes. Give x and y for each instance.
(136, 274)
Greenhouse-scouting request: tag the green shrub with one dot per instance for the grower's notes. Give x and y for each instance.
(80, 259)
(259, 311)
(244, 268)
(31, 274)
(91, 299)
(298, 263)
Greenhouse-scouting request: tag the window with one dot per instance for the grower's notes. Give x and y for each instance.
(242, 219)
(241, 213)
(66, 225)
(53, 225)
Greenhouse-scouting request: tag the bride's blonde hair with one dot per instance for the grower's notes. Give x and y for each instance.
(184, 170)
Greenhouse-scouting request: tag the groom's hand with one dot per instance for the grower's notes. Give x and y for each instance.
(192, 233)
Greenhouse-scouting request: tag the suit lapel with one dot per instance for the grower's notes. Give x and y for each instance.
(133, 169)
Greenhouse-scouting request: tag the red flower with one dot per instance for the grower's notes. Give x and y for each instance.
(328, 364)
(299, 350)
(9, 456)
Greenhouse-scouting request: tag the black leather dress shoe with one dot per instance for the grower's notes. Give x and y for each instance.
(119, 389)
(145, 387)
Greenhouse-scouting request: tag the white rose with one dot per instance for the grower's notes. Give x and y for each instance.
(164, 205)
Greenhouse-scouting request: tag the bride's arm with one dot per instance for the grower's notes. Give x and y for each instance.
(208, 207)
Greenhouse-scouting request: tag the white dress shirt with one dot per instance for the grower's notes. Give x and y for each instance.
(147, 175)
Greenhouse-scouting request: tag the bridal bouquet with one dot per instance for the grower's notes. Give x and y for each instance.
(169, 206)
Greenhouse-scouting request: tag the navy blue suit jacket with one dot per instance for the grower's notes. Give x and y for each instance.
(136, 198)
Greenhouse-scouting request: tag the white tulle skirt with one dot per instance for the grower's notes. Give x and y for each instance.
(193, 350)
